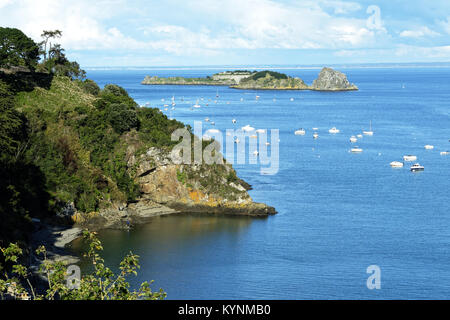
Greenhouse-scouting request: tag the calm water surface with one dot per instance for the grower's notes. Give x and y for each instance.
(338, 212)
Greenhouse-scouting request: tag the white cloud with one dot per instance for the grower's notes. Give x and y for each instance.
(445, 25)
(303, 25)
(436, 52)
(4, 3)
(251, 24)
(423, 31)
(340, 7)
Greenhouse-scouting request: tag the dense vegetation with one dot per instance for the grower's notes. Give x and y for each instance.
(17, 50)
(65, 142)
(263, 74)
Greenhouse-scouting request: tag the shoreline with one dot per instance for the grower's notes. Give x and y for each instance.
(56, 238)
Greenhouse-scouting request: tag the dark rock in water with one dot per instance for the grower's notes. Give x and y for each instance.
(332, 80)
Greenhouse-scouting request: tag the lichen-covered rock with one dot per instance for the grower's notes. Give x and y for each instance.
(332, 80)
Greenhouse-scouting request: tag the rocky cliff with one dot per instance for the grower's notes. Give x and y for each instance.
(332, 80)
(168, 188)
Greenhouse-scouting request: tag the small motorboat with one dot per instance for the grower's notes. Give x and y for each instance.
(255, 153)
(292, 99)
(445, 153)
(254, 136)
(409, 158)
(213, 123)
(234, 120)
(207, 119)
(417, 167)
(353, 139)
(356, 149)
(315, 129)
(300, 132)
(396, 164)
(359, 135)
(237, 140)
(315, 135)
(247, 128)
(333, 130)
(429, 147)
(260, 131)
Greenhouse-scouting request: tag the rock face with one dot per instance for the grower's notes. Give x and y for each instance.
(195, 187)
(332, 80)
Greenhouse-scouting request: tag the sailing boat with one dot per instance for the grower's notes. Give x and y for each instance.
(370, 132)
(173, 101)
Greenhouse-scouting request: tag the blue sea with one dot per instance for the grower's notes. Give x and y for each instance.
(338, 212)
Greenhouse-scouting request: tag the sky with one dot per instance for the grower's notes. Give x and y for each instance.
(238, 32)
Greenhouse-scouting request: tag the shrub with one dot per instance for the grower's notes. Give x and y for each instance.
(91, 87)
(101, 284)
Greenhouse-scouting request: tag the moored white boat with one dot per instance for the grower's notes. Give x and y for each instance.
(333, 130)
(417, 167)
(409, 158)
(300, 132)
(429, 147)
(356, 149)
(353, 139)
(396, 164)
(445, 153)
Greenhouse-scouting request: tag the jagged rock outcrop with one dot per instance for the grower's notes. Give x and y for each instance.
(332, 80)
(193, 187)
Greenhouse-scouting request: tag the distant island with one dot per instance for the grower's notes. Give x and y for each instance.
(328, 80)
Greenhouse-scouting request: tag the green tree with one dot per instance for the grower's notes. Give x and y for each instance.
(47, 35)
(16, 49)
